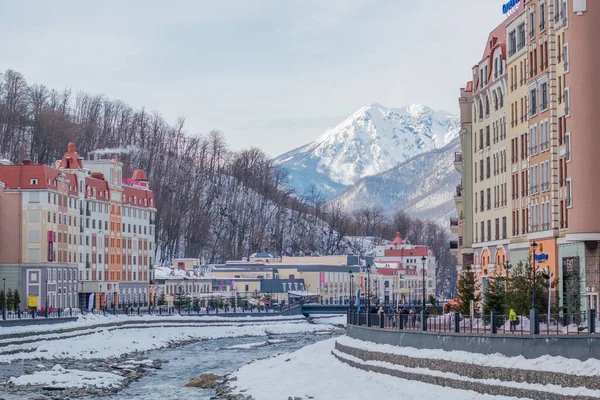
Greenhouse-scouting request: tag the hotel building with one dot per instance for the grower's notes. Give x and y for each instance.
(82, 229)
(546, 149)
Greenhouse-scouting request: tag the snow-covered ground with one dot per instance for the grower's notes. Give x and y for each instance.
(59, 377)
(333, 319)
(97, 319)
(313, 371)
(110, 342)
(572, 366)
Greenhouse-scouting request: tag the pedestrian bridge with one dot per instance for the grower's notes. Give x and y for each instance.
(324, 309)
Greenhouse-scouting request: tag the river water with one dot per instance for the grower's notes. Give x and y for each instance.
(207, 356)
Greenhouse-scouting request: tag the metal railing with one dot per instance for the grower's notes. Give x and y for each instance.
(533, 324)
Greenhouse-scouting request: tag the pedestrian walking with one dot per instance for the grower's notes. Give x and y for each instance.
(512, 318)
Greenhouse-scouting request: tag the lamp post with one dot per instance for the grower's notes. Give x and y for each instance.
(4, 294)
(533, 248)
(100, 299)
(46, 309)
(351, 291)
(82, 297)
(368, 302)
(423, 314)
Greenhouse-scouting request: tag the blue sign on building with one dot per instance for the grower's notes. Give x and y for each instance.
(510, 6)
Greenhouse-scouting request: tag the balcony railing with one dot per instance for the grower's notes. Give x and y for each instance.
(545, 226)
(458, 190)
(458, 157)
(453, 221)
(544, 146)
(545, 186)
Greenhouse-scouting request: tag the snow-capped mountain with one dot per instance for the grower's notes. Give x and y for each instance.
(370, 141)
(423, 186)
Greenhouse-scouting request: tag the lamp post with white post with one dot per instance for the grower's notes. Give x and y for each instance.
(423, 313)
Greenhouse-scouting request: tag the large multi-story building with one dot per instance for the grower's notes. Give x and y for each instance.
(548, 84)
(78, 233)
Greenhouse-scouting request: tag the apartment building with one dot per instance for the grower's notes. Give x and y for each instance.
(463, 224)
(550, 85)
(78, 233)
(491, 211)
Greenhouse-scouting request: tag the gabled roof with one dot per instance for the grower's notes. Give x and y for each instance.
(23, 176)
(71, 159)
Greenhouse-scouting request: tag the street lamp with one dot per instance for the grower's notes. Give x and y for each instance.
(351, 291)
(533, 248)
(46, 310)
(423, 314)
(423, 259)
(4, 295)
(82, 297)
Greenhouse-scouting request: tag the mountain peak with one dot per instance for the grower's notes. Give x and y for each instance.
(373, 139)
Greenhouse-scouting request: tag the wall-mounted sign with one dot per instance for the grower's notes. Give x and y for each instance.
(510, 7)
(321, 279)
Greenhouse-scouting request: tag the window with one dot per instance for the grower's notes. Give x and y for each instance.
(545, 175)
(566, 56)
(533, 179)
(532, 102)
(503, 227)
(544, 96)
(34, 197)
(512, 43)
(545, 136)
(542, 17)
(567, 100)
(487, 171)
(568, 146)
(33, 254)
(489, 229)
(533, 139)
(34, 236)
(489, 198)
(568, 193)
(532, 24)
(34, 216)
(521, 36)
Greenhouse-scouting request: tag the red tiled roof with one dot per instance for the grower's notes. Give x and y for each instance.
(397, 240)
(101, 188)
(71, 159)
(20, 177)
(419, 251)
(135, 197)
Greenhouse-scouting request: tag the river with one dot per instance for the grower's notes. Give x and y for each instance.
(190, 361)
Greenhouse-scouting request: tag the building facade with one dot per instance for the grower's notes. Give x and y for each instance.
(549, 85)
(85, 236)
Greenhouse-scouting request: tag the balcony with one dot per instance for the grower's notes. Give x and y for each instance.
(454, 225)
(458, 159)
(454, 247)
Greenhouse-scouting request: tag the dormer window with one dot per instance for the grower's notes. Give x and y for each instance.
(94, 192)
(33, 181)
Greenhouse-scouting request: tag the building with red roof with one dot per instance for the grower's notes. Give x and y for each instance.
(77, 234)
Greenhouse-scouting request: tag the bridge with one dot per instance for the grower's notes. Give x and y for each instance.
(306, 309)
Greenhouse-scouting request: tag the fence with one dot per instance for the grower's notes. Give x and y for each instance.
(548, 324)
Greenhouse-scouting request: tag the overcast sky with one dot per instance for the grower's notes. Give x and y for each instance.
(274, 74)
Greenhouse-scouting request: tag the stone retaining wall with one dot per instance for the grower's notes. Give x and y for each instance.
(35, 321)
(581, 347)
(475, 371)
(465, 385)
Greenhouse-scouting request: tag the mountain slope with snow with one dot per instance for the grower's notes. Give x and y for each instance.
(370, 141)
(423, 186)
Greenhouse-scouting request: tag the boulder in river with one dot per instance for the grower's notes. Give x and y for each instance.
(205, 381)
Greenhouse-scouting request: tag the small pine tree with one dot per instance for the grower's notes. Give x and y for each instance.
(467, 291)
(2, 300)
(433, 303)
(162, 300)
(16, 300)
(495, 296)
(9, 299)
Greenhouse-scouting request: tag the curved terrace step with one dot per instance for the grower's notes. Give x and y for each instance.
(537, 385)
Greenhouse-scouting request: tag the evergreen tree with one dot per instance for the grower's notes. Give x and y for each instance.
(433, 303)
(9, 299)
(161, 299)
(16, 300)
(520, 289)
(495, 296)
(2, 300)
(467, 291)
(181, 299)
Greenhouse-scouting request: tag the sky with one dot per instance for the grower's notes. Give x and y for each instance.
(272, 74)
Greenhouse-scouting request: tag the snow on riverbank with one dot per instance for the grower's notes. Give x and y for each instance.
(59, 377)
(105, 343)
(590, 367)
(313, 371)
(99, 319)
(333, 319)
